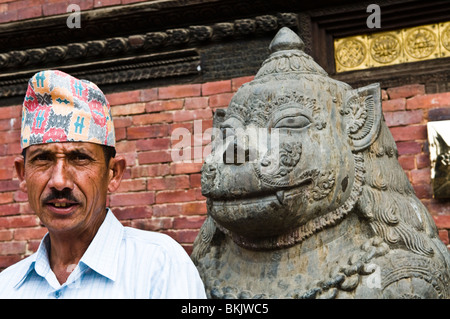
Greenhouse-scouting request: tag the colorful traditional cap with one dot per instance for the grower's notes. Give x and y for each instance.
(61, 108)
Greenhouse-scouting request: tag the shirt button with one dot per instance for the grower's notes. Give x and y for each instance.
(57, 294)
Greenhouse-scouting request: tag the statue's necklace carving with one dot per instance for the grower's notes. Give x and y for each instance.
(343, 277)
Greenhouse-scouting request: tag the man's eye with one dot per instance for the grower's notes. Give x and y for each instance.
(41, 157)
(293, 122)
(80, 157)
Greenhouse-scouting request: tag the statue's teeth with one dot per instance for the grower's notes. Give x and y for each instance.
(280, 196)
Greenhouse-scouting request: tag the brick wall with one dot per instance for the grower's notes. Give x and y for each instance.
(406, 111)
(161, 195)
(13, 10)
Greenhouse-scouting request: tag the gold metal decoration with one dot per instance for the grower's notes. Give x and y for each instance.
(388, 48)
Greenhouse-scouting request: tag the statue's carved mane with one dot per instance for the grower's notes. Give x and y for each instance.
(388, 200)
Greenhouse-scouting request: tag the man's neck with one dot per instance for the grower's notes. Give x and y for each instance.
(67, 248)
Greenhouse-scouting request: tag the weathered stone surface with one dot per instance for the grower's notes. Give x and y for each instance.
(305, 195)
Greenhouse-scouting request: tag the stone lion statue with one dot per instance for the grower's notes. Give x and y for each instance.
(324, 210)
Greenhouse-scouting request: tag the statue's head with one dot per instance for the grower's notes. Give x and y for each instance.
(283, 156)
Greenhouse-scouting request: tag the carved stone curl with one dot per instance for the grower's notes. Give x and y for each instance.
(320, 207)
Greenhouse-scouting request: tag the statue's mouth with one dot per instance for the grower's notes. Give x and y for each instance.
(284, 192)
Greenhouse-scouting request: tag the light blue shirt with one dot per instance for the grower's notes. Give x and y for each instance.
(120, 262)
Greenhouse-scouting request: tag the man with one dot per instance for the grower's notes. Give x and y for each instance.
(67, 168)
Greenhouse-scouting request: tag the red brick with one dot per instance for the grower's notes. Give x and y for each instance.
(147, 131)
(422, 190)
(10, 137)
(123, 121)
(150, 170)
(180, 209)
(152, 157)
(49, 9)
(127, 109)
(6, 235)
(167, 210)
(6, 198)
(6, 173)
(195, 180)
(406, 91)
(190, 222)
(130, 158)
(442, 221)
(152, 118)
(403, 117)
(126, 146)
(133, 212)
(167, 105)
(13, 148)
(443, 235)
(9, 209)
(8, 16)
(9, 185)
(183, 236)
(423, 160)
(394, 105)
(217, 87)
(185, 168)
(238, 82)
(409, 133)
(175, 196)
(18, 221)
(148, 95)
(409, 148)
(198, 194)
(121, 133)
(407, 162)
(9, 112)
(191, 103)
(168, 183)
(12, 248)
(153, 144)
(105, 3)
(190, 115)
(29, 233)
(152, 224)
(29, 12)
(19, 196)
(132, 199)
(33, 245)
(428, 101)
(132, 185)
(179, 91)
(421, 176)
(220, 100)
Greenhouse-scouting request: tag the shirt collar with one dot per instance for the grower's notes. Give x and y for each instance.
(101, 256)
(38, 261)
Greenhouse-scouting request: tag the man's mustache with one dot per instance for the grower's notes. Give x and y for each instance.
(64, 194)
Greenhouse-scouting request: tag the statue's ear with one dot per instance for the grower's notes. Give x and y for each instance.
(363, 115)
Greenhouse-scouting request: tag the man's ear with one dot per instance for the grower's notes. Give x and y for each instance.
(117, 167)
(363, 115)
(19, 165)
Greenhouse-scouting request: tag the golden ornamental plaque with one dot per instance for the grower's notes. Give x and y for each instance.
(389, 48)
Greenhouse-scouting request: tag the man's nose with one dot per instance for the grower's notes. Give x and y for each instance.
(61, 177)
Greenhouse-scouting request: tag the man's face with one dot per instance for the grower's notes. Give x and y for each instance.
(67, 184)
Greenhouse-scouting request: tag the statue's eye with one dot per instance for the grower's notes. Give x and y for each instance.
(293, 122)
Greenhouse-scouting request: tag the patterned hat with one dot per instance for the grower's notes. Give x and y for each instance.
(61, 108)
